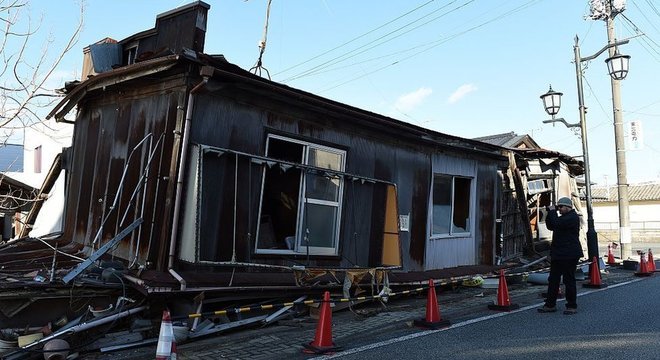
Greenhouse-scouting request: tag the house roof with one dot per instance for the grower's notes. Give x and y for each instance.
(217, 66)
(636, 192)
(527, 148)
(510, 140)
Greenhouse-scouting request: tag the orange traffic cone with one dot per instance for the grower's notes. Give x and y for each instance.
(643, 267)
(323, 343)
(651, 262)
(432, 319)
(503, 300)
(610, 256)
(594, 276)
(166, 349)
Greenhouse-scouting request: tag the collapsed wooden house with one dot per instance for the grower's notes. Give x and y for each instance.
(225, 167)
(188, 174)
(535, 178)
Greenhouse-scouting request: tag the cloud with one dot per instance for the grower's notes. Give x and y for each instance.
(409, 101)
(461, 92)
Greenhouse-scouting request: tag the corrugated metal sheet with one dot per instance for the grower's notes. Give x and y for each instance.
(107, 189)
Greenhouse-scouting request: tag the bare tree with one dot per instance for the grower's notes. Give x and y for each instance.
(23, 91)
(24, 95)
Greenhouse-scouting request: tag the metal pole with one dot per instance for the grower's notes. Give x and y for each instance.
(625, 234)
(592, 236)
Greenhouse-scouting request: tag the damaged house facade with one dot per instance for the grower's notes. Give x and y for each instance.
(534, 179)
(226, 168)
(188, 174)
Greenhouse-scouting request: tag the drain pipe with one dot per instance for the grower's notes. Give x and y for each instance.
(206, 73)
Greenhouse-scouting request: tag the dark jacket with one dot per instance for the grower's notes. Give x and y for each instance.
(565, 235)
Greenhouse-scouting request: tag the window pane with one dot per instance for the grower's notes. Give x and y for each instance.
(322, 187)
(321, 221)
(461, 220)
(324, 159)
(441, 204)
(278, 219)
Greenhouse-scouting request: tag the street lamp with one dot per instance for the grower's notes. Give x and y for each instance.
(617, 66)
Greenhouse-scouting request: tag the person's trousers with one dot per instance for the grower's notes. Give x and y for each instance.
(562, 268)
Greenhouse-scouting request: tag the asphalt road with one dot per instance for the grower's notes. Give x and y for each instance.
(617, 322)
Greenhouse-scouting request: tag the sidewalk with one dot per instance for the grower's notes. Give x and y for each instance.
(351, 329)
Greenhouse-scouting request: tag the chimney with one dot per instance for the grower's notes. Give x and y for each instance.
(100, 57)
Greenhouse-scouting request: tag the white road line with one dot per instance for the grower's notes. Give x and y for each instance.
(454, 326)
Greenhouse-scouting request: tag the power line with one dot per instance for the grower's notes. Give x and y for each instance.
(652, 45)
(352, 53)
(655, 10)
(355, 38)
(643, 13)
(436, 43)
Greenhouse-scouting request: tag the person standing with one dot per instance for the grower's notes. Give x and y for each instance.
(565, 252)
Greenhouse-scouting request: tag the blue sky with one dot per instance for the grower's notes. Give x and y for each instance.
(468, 68)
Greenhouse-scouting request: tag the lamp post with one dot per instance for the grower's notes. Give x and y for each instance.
(618, 69)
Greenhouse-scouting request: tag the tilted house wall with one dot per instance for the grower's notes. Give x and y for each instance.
(227, 168)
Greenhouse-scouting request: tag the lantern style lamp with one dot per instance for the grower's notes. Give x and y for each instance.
(552, 102)
(617, 65)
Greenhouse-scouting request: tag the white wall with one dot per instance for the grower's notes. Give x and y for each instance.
(638, 212)
(51, 139)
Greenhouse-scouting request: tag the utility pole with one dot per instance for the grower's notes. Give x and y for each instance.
(625, 233)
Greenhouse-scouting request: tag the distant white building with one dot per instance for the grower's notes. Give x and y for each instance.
(42, 144)
(643, 209)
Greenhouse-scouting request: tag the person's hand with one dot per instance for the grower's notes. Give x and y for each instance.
(551, 208)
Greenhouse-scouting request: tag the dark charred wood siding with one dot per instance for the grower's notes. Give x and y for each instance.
(239, 122)
(487, 195)
(109, 125)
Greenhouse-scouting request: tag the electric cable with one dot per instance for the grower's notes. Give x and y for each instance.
(436, 43)
(355, 38)
(343, 57)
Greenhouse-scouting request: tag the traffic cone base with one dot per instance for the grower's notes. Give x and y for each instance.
(322, 343)
(503, 300)
(642, 274)
(594, 286)
(433, 320)
(313, 349)
(432, 324)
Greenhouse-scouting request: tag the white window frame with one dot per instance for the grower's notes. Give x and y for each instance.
(300, 247)
(451, 233)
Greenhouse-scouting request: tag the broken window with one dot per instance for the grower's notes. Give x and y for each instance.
(537, 186)
(451, 205)
(300, 206)
(129, 55)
